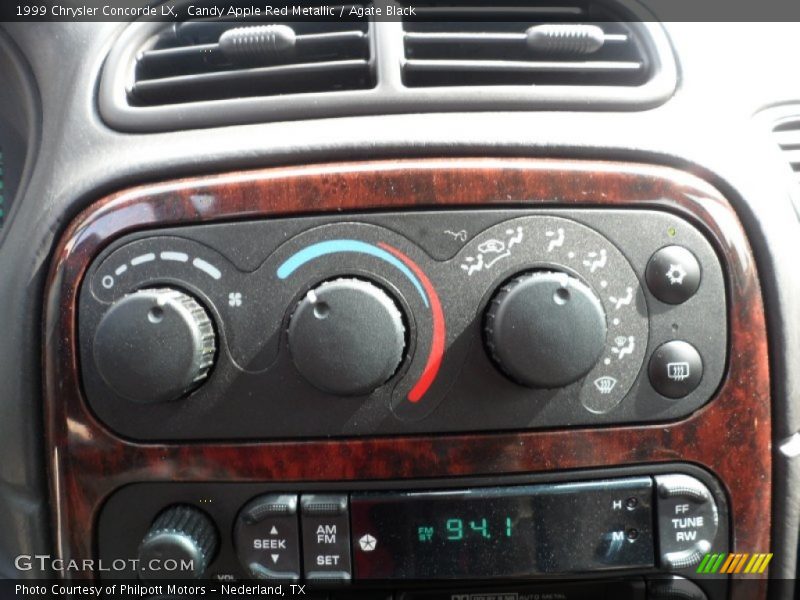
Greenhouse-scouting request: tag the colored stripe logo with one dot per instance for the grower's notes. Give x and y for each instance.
(732, 563)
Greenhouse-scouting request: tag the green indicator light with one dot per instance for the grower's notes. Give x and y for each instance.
(508, 526)
(672, 232)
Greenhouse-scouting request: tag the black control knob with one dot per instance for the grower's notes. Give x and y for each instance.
(347, 337)
(154, 345)
(180, 544)
(545, 329)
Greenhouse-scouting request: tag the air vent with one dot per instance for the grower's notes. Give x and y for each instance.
(518, 55)
(522, 45)
(210, 59)
(787, 134)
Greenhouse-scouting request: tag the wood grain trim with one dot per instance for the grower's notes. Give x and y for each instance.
(730, 436)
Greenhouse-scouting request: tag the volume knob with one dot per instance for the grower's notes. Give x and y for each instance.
(182, 537)
(154, 345)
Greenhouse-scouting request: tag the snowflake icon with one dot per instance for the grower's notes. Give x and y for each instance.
(676, 274)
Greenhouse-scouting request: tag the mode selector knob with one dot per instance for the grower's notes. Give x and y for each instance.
(180, 544)
(545, 329)
(347, 337)
(154, 345)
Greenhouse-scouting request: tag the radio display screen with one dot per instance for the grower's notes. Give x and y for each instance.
(512, 531)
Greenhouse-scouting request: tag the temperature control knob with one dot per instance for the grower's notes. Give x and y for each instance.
(347, 337)
(181, 536)
(154, 345)
(545, 329)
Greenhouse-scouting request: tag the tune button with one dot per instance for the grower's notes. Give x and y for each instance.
(687, 520)
(676, 369)
(673, 274)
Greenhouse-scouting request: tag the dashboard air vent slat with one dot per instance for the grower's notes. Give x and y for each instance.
(787, 135)
(212, 60)
(521, 45)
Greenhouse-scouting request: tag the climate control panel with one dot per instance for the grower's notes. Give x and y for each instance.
(403, 323)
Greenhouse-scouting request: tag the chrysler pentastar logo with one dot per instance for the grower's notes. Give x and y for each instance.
(367, 543)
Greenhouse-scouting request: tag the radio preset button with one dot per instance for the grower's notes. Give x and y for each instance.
(673, 274)
(675, 369)
(267, 537)
(687, 520)
(326, 537)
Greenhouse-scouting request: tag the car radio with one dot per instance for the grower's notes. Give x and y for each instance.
(614, 522)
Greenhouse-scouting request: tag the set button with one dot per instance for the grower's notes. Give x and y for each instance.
(326, 537)
(673, 274)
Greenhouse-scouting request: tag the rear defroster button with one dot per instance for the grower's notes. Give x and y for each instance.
(676, 369)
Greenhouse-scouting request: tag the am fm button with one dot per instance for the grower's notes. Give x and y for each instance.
(325, 522)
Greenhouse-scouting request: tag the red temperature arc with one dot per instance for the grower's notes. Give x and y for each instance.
(438, 335)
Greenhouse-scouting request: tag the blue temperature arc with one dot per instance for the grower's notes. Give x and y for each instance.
(319, 249)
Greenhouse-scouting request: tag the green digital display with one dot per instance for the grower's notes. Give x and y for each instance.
(464, 530)
(512, 531)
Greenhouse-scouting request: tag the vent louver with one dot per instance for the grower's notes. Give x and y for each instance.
(517, 55)
(787, 134)
(208, 59)
(524, 44)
